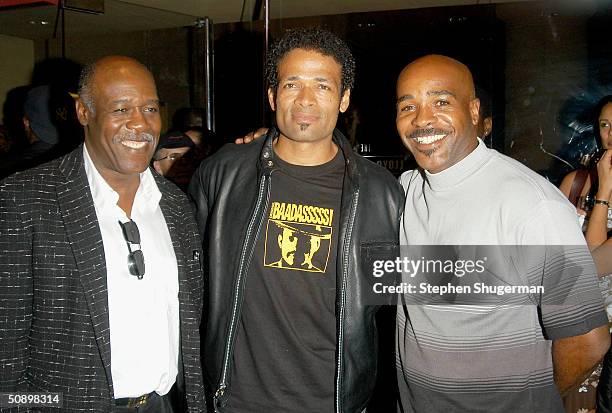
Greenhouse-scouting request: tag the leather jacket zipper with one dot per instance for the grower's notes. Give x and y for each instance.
(345, 262)
(237, 296)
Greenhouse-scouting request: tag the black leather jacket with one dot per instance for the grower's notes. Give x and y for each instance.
(231, 190)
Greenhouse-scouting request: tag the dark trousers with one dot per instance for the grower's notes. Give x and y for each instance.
(604, 388)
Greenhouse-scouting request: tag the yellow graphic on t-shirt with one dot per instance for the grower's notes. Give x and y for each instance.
(298, 237)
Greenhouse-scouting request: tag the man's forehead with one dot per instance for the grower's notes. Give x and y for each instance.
(303, 62)
(434, 81)
(117, 73)
(123, 88)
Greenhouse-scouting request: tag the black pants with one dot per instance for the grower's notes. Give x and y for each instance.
(604, 388)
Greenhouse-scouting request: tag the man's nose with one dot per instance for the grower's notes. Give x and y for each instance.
(423, 117)
(137, 119)
(305, 97)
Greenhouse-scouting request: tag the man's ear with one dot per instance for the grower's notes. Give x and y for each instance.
(272, 98)
(345, 100)
(82, 112)
(474, 110)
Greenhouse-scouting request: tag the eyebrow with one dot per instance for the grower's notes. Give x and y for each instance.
(125, 100)
(440, 92)
(403, 98)
(318, 79)
(429, 93)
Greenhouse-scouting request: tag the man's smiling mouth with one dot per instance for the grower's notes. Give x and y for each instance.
(426, 140)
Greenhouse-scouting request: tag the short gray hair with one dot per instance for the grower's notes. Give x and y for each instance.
(86, 86)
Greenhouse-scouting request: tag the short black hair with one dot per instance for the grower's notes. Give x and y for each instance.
(311, 38)
(85, 90)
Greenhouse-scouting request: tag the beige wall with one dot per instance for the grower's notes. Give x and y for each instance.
(16, 64)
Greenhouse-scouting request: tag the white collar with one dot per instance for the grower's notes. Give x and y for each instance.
(452, 176)
(147, 195)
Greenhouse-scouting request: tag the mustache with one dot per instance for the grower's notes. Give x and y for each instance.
(305, 112)
(427, 132)
(128, 135)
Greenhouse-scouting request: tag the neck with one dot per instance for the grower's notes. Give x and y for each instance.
(305, 153)
(126, 189)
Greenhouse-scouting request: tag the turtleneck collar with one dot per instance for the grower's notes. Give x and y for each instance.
(460, 171)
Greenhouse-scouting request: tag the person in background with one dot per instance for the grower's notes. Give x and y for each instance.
(172, 158)
(588, 189)
(598, 229)
(40, 133)
(485, 115)
(580, 186)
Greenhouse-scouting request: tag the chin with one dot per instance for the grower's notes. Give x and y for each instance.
(431, 165)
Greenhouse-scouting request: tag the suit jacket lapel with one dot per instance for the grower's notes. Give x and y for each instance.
(81, 223)
(169, 207)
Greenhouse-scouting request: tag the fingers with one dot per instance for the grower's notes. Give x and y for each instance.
(604, 172)
(258, 133)
(251, 136)
(245, 139)
(606, 159)
(605, 163)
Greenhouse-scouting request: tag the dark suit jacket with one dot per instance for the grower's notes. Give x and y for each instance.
(54, 328)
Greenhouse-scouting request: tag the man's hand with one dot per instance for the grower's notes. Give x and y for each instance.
(575, 357)
(604, 173)
(251, 136)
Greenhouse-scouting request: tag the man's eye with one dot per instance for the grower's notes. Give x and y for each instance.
(604, 125)
(442, 102)
(290, 86)
(324, 87)
(407, 108)
(120, 110)
(152, 109)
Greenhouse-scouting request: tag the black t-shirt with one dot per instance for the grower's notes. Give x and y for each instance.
(285, 351)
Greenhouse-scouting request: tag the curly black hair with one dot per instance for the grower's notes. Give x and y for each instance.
(311, 38)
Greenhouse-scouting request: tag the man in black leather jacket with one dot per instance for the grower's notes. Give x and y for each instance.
(286, 222)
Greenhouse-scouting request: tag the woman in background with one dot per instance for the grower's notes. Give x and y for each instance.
(595, 186)
(582, 184)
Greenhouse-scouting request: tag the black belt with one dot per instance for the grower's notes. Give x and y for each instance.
(134, 401)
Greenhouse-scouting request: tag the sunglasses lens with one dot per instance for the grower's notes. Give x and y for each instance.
(130, 231)
(136, 263)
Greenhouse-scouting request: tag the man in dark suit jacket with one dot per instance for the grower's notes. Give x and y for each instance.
(67, 292)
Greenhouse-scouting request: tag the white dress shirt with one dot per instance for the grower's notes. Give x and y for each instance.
(143, 314)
